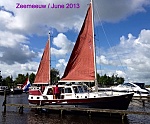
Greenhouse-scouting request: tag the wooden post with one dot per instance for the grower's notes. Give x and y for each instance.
(143, 101)
(21, 110)
(4, 103)
(89, 114)
(123, 116)
(61, 113)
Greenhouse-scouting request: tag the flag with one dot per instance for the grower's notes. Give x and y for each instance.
(26, 85)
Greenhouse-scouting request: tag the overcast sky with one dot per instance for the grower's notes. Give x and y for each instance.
(122, 31)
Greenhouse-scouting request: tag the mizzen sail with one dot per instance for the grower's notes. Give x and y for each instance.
(43, 74)
(81, 65)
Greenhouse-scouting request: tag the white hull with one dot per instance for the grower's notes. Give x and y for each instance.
(126, 88)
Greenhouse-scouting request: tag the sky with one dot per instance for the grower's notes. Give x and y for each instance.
(122, 35)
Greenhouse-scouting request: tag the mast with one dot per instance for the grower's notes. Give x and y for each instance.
(94, 48)
(49, 58)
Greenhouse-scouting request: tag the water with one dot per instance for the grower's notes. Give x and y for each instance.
(31, 117)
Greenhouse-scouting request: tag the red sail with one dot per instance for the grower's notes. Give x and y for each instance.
(81, 65)
(42, 76)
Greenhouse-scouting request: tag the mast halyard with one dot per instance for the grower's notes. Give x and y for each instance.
(94, 48)
(49, 58)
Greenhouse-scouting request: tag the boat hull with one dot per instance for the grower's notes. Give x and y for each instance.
(2, 92)
(120, 102)
(17, 92)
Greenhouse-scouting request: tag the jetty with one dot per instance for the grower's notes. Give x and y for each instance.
(144, 100)
(123, 113)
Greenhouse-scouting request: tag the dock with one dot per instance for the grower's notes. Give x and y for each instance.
(89, 111)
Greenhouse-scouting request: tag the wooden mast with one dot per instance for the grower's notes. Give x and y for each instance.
(94, 48)
(49, 58)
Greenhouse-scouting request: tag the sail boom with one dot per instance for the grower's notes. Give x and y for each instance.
(42, 83)
(76, 81)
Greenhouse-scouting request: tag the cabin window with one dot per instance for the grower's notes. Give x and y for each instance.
(85, 88)
(50, 91)
(75, 89)
(80, 89)
(61, 89)
(68, 90)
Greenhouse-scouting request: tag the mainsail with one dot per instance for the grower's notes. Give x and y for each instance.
(43, 73)
(81, 65)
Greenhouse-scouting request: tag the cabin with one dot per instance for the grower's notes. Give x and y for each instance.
(66, 92)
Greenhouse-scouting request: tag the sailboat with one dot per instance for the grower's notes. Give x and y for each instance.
(81, 68)
(42, 77)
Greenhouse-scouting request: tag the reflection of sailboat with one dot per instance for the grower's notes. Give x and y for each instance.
(81, 68)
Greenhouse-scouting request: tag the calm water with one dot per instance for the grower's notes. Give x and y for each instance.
(31, 117)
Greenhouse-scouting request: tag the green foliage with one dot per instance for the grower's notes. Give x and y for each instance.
(9, 81)
(109, 81)
(54, 75)
(21, 78)
(0, 79)
(31, 78)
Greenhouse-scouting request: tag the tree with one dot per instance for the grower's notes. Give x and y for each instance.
(20, 79)
(109, 81)
(8, 81)
(54, 75)
(31, 78)
(0, 78)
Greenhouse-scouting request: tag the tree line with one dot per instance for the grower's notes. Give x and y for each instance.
(109, 80)
(21, 78)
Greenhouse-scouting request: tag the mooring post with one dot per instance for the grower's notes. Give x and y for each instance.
(89, 114)
(61, 112)
(4, 103)
(20, 109)
(143, 101)
(123, 116)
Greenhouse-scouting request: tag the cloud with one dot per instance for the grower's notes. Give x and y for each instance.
(119, 10)
(18, 24)
(38, 21)
(13, 49)
(64, 46)
(61, 65)
(17, 68)
(134, 58)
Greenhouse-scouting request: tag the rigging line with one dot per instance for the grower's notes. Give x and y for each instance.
(107, 38)
(99, 51)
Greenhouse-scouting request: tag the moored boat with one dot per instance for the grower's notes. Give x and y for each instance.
(4, 89)
(137, 88)
(81, 68)
(78, 96)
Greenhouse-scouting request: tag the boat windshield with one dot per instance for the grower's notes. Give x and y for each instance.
(80, 89)
(75, 89)
(128, 84)
(85, 88)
